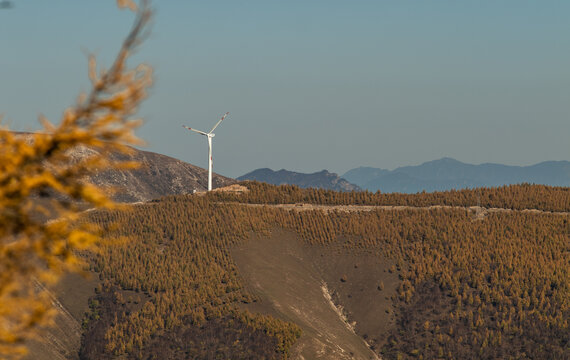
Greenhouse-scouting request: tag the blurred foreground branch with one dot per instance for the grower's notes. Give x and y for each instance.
(33, 166)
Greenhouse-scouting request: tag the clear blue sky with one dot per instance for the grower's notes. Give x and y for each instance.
(313, 84)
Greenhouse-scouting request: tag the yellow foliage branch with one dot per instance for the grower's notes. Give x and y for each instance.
(42, 178)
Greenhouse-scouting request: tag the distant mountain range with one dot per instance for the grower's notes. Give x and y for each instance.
(447, 173)
(322, 179)
(438, 175)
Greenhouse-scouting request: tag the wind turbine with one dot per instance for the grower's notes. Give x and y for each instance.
(209, 135)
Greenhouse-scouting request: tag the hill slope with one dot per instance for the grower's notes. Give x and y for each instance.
(159, 175)
(320, 180)
(194, 282)
(447, 174)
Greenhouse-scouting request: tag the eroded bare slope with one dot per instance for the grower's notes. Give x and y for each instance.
(336, 298)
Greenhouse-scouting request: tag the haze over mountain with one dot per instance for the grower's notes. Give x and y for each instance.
(321, 180)
(448, 173)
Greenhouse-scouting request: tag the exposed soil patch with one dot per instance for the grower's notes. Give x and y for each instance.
(288, 277)
(74, 291)
(63, 339)
(361, 285)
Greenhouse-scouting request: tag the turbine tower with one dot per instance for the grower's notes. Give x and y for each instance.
(209, 135)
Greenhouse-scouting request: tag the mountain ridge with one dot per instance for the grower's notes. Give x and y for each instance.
(447, 173)
(321, 179)
(158, 175)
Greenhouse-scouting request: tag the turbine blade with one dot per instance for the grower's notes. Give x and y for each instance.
(198, 131)
(218, 123)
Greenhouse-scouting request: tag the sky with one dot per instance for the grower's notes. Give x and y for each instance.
(313, 84)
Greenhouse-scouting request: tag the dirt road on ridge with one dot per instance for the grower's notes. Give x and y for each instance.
(358, 208)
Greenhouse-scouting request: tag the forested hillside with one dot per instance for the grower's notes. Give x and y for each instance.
(515, 197)
(496, 286)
